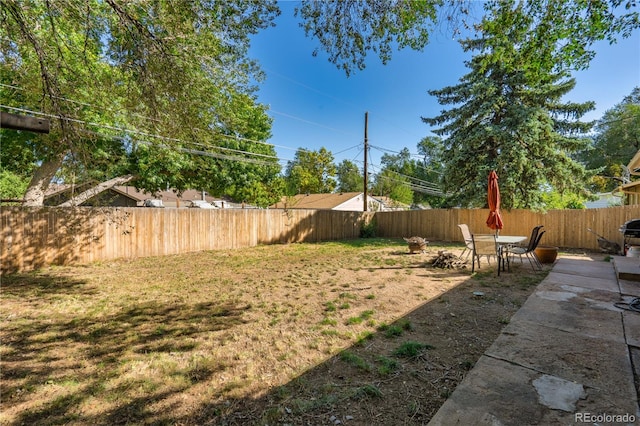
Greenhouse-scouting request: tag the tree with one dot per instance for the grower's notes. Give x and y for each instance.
(161, 76)
(348, 30)
(405, 179)
(311, 172)
(349, 177)
(394, 180)
(508, 115)
(616, 141)
(430, 170)
(12, 186)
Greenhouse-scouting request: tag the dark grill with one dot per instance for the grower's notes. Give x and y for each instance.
(631, 229)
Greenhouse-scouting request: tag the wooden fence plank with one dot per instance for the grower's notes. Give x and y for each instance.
(33, 238)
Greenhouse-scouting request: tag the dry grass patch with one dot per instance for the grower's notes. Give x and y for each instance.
(285, 334)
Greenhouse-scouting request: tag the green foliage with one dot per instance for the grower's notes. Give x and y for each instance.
(402, 194)
(349, 177)
(393, 179)
(616, 141)
(368, 229)
(555, 200)
(391, 330)
(408, 181)
(349, 29)
(355, 360)
(509, 117)
(311, 172)
(411, 349)
(396, 330)
(12, 185)
(367, 391)
(387, 365)
(118, 77)
(430, 170)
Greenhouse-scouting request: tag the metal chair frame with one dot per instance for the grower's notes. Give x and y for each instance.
(468, 241)
(529, 250)
(485, 245)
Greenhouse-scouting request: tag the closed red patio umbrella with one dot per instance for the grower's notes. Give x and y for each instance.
(494, 221)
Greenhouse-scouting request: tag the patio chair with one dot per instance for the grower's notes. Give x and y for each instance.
(529, 250)
(466, 235)
(485, 245)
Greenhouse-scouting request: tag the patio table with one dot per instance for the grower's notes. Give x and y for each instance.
(510, 239)
(507, 240)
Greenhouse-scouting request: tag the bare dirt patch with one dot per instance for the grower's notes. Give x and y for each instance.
(358, 332)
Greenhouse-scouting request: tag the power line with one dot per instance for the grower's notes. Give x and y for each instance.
(129, 131)
(415, 184)
(416, 187)
(342, 101)
(428, 169)
(101, 110)
(310, 122)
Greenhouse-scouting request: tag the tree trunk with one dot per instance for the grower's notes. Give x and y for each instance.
(34, 196)
(92, 192)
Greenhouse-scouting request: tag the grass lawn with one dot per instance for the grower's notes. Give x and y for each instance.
(357, 331)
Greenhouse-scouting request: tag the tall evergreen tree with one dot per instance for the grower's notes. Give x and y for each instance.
(508, 116)
(349, 30)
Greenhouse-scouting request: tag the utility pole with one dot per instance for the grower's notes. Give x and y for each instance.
(366, 148)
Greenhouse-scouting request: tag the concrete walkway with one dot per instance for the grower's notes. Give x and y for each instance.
(568, 356)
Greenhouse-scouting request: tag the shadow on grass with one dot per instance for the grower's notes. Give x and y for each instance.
(400, 374)
(41, 285)
(78, 357)
(352, 386)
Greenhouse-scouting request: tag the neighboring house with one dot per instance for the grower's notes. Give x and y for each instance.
(129, 196)
(631, 189)
(389, 204)
(605, 199)
(57, 193)
(345, 201)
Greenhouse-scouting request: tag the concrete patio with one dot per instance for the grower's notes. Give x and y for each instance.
(568, 356)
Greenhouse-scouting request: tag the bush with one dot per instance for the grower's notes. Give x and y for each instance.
(368, 230)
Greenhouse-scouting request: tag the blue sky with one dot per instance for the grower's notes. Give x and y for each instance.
(315, 105)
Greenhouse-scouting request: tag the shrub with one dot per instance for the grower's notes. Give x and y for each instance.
(368, 230)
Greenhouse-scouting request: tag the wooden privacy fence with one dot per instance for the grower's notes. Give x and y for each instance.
(564, 228)
(36, 237)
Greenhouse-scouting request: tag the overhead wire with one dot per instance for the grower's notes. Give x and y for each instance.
(428, 169)
(219, 135)
(419, 186)
(309, 122)
(144, 134)
(138, 115)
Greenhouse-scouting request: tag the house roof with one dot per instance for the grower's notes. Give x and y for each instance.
(634, 164)
(167, 196)
(315, 201)
(134, 194)
(629, 185)
(634, 169)
(391, 203)
(59, 188)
